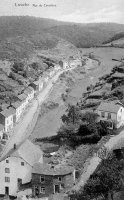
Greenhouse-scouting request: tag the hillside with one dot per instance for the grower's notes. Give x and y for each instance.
(86, 35)
(116, 41)
(81, 35)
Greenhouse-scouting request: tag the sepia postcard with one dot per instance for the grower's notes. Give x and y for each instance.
(62, 99)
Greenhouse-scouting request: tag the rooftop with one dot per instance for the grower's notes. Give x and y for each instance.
(109, 106)
(16, 104)
(29, 152)
(22, 96)
(47, 169)
(8, 112)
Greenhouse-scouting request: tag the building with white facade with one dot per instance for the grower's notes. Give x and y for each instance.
(111, 113)
(6, 119)
(16, 168)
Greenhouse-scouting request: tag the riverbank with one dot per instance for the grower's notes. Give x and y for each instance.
(75, 82)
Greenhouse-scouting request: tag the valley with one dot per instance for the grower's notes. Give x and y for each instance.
(61, 109)
(49, 123)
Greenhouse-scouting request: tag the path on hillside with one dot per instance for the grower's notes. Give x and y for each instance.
(115, 142)
(24, 128)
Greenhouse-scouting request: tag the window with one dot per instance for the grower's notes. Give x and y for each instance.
(42, 190)
(109, 115)
(7, 179)
(7, 161)
(59, 179)
(7, 170)
(22, 163)
(103, 114)
(42, 179)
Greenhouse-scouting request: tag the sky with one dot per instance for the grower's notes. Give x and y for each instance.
(80, 11)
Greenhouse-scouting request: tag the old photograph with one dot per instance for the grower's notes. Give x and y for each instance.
(62, 100)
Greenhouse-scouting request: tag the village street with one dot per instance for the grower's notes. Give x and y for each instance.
(115, 142)
(24, 128)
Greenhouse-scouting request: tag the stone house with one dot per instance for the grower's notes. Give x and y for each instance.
(6, 119)
(112, 113)
(48, 180)
(16, 167)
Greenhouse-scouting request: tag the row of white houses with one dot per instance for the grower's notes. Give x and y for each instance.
(11, 114)
(16, 167)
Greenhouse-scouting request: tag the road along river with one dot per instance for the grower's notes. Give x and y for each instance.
(24, 128)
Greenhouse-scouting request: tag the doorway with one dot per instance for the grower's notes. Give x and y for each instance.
(7, 191)
(57, 189)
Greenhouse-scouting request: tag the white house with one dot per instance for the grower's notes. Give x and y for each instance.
(41, 83)
(112, 113)
(29, 91)
(6, 119)
(1, 131)
(16, 168)
(18, 108)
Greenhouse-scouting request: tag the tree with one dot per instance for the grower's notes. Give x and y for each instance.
(73, 115)
(90, 117)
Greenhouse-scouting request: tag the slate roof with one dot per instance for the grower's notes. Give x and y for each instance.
(109, 107)
(28, 90)
(28, 152)
(16, 104)
(7, 112)
(22, 97)
(46, 169)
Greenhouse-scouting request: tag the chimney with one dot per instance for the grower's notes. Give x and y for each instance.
(14, 146)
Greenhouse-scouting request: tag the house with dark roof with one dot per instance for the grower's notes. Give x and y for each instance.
(37, 85)
(16, 167)
(23, 99)
(18, 110)
(6, 118)
(48, 179)
(112, 113)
